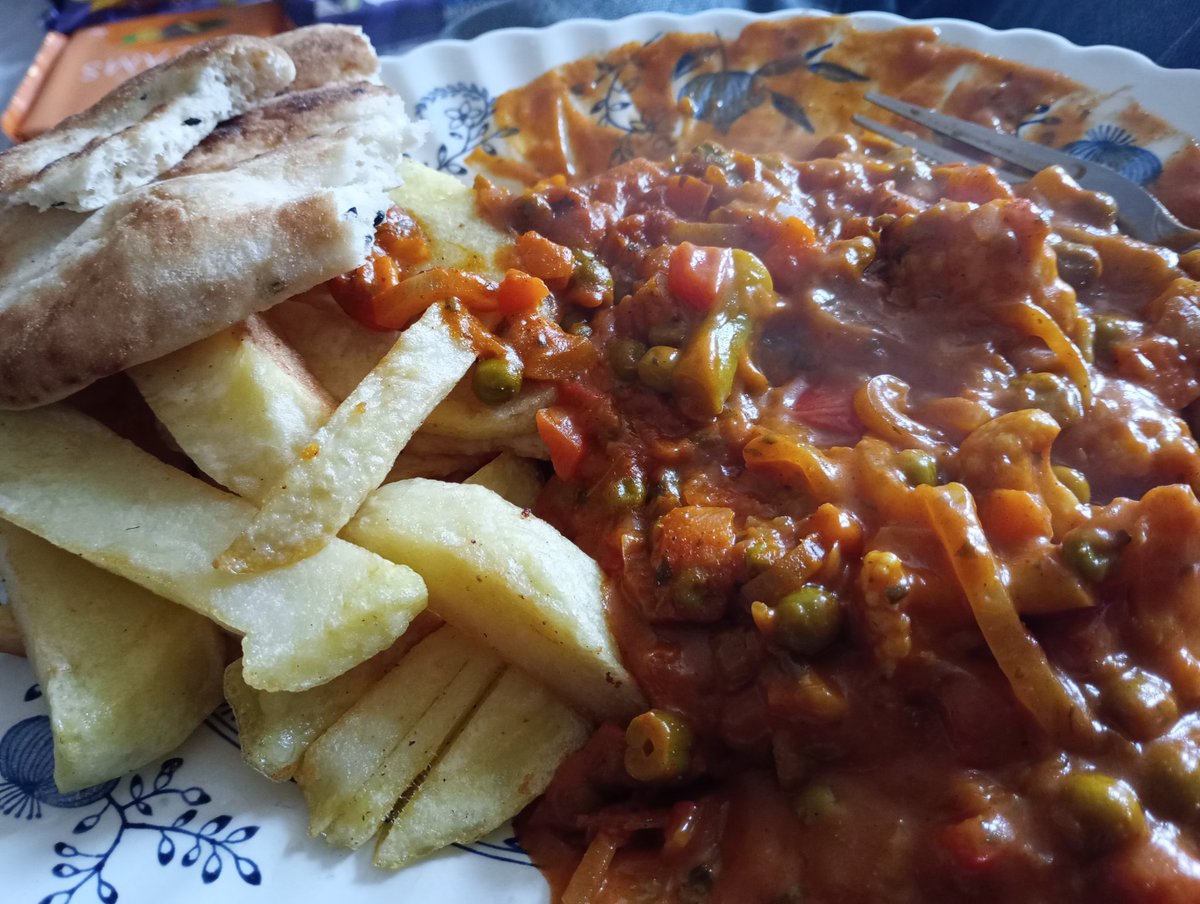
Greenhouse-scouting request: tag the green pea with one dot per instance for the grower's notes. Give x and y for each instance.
(1142, 703)
(760, 555)
(656, 367)
(623, 357)
(1074, 481)
(689, 589)
(807, 620)
(496, 380)
(1091, 552)
(1172, 770)
(627, 492)
(591, 281)
(918, 467)
(815, 803)
(580, 328)
(1111, 331)
(1055, 395)
(1099, 811)
(658, 746)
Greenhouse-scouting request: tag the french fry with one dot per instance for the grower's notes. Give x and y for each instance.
(446, 210)
(241, 403)
(116, 700)
(463, 416)
(352, 453)
(275, 728)
(10, 635)
(356, 771)
(336, 349)
(366, 811)
(506, 579)
(526, 446)
(339, 352)
(515, 479)
(438, 466)
(502, 759)
(73, 482)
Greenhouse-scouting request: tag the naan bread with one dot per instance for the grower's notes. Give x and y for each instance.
(28, 237)
(288, 118)
(145, 126)
(173, 262)
(328, 54)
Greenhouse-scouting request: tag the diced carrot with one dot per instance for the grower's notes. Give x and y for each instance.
(520, 293)
(697, 275)
(545, 259)
(838, 526)
(402, 238)
(563, 439)
(1011, 517)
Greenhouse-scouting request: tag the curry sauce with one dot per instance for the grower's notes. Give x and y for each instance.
(891, 467)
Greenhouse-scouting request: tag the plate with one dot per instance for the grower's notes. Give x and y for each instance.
(246, 840)
(453, 85)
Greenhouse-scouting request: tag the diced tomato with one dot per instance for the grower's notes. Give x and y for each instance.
(698, 274)
(564, 439)
(520, 293)
(355, 291)
(827, 408)
(1161, 869)
(548, 351)
(400, 244)
(978, 843)
(687, 195)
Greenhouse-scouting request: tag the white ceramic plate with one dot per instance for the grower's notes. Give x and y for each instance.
(247, 841)
(453, 84)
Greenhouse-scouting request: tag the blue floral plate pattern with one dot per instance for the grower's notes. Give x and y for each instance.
(200, 827)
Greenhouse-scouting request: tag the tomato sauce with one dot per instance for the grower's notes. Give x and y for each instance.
(892, 469)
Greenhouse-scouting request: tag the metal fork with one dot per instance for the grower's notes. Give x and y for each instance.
(1139, 213)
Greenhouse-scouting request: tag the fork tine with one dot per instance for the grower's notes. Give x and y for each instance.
(1030, 156)
(935, 152)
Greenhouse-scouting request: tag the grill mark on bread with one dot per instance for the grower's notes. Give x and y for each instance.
(132, 134)
(291, 117)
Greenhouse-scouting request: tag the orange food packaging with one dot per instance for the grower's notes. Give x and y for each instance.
(72, 72)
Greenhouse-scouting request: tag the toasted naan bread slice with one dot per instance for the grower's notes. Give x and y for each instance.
(285, 119)
(328, 54)
(28, 237)
(173, 262)
(145, 126)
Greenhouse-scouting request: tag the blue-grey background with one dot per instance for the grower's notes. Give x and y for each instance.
(1167, 31)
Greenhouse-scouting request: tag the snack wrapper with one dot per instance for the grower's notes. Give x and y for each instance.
(94, 45)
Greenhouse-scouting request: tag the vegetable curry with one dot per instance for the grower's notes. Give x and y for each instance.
(891, 468)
